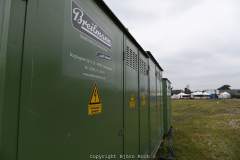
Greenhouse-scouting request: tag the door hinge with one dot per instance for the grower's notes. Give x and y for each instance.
(122, 131)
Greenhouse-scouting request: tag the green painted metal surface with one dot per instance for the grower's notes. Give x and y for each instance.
(54, 108)
(167, 105)
(153, 108)
(2, 9)
(12, 19)
(144, 105)
(159, 105)
(66, 93)
(131, 101)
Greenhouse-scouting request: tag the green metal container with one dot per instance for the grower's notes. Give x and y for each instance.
(74, 83)
(161, 96)
(156, 110)
(131, 100)
(71, 104)
(144, 104)
(12, 20)
(167, 113)
(153, 108)
(159, 104)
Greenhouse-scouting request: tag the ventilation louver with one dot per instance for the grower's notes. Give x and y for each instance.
(132, 59)
(143, 67)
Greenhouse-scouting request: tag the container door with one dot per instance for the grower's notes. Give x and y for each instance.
(144, 105)
(2, 8)
(72, 83)
(165, 102)
(161, 102)
(131, 108)
(169, 106)
(153, 108)
(159, 111)
(12, 22)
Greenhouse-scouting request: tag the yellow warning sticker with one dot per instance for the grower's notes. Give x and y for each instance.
(153, 92)
(132, 102)
(95, 105)
(143, 101)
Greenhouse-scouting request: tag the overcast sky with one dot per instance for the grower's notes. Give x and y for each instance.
(196, 42)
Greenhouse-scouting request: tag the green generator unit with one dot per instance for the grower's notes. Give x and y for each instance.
(167, 112)
(75, 84)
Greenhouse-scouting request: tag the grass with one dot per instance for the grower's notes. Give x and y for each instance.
(213, 133)
(165, 146)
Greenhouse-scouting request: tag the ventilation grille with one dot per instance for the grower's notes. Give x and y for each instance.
(132, 59)
(143, 67)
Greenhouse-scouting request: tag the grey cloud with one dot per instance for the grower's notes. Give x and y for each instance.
(195, 42)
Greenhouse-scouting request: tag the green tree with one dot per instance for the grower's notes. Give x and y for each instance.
(224, 87)
(187, 91)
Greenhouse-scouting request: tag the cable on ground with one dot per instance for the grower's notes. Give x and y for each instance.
(191, 114)
(171, 155)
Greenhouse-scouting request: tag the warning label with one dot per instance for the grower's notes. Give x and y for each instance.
(95, 105)
(143, 101)
(132, 102)
(153, 93)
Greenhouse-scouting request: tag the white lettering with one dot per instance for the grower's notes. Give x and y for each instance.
(90, 28)
(76, 14)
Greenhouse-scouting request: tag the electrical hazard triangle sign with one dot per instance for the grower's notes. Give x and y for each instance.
(143, 101)
(132, 102)
(95, 105)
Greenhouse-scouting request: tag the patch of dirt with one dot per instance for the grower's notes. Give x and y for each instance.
(230, 110)
(232, 99)
(224, 114)
(214, 155)
(233, 111)
(199, 136)
(202, 135)
(231, 123)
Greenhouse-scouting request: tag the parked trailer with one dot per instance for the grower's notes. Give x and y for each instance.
(74, 84)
